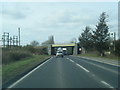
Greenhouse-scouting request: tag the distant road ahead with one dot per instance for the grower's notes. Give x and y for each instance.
(70, 72)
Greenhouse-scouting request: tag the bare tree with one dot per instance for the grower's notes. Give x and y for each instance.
(34, 43)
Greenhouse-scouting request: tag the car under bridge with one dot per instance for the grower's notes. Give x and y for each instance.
(68, 49)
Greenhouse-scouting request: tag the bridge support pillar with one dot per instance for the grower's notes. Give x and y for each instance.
(75, 50)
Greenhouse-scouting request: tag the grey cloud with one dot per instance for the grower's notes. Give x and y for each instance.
(14, 15)
(15, 12)
(67, 19)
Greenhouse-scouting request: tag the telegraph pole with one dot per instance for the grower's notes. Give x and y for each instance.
(16, 39)
(114, 40)
(19, 35)
(3, 39)
(10, 41)
(13, 40)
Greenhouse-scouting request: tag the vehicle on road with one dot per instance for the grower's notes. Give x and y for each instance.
(59, 52)
(64, 51)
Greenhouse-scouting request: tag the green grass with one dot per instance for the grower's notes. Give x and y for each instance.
(110, 57)
(13, 69)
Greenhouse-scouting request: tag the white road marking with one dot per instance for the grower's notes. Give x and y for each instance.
(93, 75)
(107, 84)
(102, 67)
(103, 82)
(71, 60)
(79, 65)
(28, 74)
(102, 62)
(82, 67)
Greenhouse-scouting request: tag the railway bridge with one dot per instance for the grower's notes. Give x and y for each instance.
(69, 49)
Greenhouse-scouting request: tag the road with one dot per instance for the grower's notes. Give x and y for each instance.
(70, 72)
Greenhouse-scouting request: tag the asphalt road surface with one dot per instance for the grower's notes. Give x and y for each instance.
(70, 72)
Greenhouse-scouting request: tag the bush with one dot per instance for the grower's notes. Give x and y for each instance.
(30, 48)
(39, 50)
(10, 55)
(15, 53)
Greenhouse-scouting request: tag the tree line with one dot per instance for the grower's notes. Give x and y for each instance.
(99, 38)
(12, 54)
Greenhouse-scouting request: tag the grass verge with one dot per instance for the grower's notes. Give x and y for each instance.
(110, 57)
(14, 69)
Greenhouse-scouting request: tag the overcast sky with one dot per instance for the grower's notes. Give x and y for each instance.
(63, 20)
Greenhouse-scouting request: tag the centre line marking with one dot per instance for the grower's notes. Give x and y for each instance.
(79, 65)
(71, 60)
(82, 67)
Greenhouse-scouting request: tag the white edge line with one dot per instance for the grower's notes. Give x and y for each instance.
(107, 84)
(116, 72)
(28, 74)
(101, 61)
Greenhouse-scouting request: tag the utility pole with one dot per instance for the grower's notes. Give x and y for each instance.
(16, 39)
(13, 40)
(3, 39)
(10, 41)
(19, 35)
(114, 40)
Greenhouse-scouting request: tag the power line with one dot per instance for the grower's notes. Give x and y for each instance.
(5, 39)
(8, 40)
